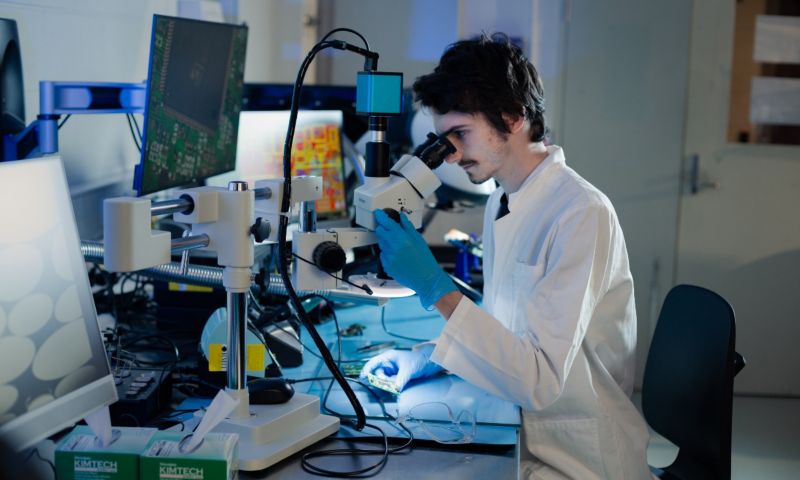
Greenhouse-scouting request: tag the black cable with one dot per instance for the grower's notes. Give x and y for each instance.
(133, 133)
(35, 451)
(364, 472)
(350, 30)
(396, 335)
(136, 124)
(163, 338)
(364, 287)
(62, 122)
(283, 223)
(335, 324)
(384, 452)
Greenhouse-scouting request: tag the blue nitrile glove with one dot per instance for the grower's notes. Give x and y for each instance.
(407, 258)
(403, 365)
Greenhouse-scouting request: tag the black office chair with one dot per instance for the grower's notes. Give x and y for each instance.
(687, 394)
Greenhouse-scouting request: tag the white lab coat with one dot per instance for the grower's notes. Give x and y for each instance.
(558, 333)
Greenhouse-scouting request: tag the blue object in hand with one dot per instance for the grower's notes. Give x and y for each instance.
(406, 257)
(403, 365)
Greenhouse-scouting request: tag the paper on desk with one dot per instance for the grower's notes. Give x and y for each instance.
(100, 423)
(222, 405)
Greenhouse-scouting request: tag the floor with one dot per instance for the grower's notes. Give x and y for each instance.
(766, 440)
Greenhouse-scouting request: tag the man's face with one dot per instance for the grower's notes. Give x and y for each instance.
(480, 150)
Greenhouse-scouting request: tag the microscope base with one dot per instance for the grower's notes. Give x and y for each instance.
(273, 432)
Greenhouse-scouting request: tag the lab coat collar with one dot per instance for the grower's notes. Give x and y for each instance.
(555, 155)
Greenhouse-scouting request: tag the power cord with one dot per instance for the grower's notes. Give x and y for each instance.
(136, 139)
(384, 452)
(283, 255)
(364, 287)
(61, 124)
(35, 451)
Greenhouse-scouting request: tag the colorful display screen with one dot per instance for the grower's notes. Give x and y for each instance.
(316, 150)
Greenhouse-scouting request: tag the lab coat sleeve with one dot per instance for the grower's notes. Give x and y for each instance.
(531, 369)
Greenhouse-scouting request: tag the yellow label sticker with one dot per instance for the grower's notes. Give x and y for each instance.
(217, 358)
(255, 358)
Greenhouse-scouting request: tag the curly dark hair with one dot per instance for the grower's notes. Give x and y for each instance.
(488, 75)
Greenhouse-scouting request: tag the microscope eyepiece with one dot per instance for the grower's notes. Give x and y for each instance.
(429, 140)
(434, 150)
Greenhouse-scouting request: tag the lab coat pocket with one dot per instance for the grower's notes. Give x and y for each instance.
(571, 447)
(524, 280)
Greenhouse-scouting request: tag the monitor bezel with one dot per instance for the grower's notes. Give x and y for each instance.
(27, 430)
(36, 425)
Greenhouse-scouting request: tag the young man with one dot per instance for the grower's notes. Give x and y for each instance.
(557, 331)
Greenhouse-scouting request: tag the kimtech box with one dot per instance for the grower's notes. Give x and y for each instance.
(81, 456)
(165, 457)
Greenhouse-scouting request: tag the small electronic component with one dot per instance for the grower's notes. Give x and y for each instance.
(381, 381)
(352, 369)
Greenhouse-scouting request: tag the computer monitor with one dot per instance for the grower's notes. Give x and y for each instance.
(53, 365)
(194, 96)
(316, 150)
(12, 94)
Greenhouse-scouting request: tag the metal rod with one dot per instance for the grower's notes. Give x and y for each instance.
(178, 205)
(237, 318)
(308, 216)
(190, 242)
(185, 254)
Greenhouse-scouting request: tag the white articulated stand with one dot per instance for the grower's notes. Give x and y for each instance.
(221, 219)
(267, 433)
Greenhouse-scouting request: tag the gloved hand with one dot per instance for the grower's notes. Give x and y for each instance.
(407, 258)
(403, 365)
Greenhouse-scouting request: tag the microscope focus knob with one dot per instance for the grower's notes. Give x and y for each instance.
(329, 257)
(260, 230)
(393, 214)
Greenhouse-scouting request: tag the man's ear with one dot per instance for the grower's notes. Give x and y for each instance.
(515, 123)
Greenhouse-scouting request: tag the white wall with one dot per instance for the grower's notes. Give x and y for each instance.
(409, 35)
(274, 49)
(622, 127)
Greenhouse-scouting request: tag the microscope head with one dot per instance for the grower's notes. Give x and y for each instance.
(410, 181)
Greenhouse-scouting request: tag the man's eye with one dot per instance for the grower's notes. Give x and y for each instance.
(459, 133)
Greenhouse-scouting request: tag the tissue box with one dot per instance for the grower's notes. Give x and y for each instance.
(214, 459)
(80, 456)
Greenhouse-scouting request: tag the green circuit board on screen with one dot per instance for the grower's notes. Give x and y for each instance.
(194, 99)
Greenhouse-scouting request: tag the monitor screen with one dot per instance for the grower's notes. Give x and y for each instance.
(53, 364)
(316, 150)
(194, 96)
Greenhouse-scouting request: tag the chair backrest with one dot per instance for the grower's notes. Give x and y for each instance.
(687, 393)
